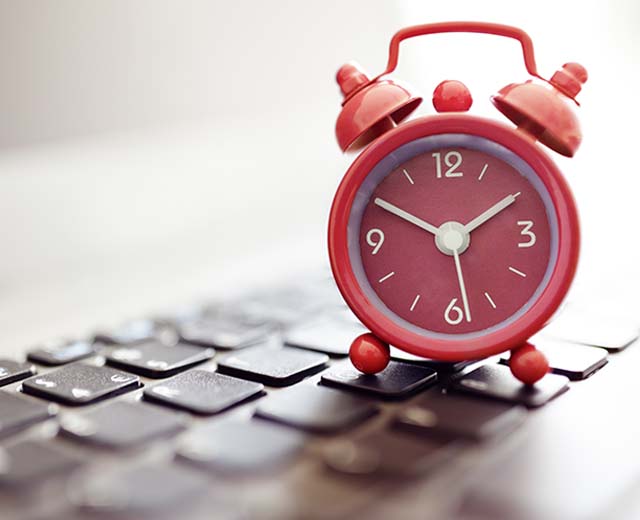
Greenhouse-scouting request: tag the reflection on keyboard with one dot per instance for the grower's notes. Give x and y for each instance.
(219, 406)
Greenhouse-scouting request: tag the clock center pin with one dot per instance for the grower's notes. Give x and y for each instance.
(452, 237)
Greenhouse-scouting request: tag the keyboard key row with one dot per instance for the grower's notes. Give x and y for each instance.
(240, 448)
(231, 447)
(204, 392)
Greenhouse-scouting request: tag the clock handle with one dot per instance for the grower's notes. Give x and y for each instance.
(372, 107)
(469, 27)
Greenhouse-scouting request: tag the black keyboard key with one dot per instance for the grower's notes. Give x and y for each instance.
(28, 462)
(155, 360)
(591, 329)
(136, 331)
(149, 491)
(454, 416)
(396, 381)
(569, 359)
(121, 424)
(497, 381)
(386, 454)
(225, 334)
(12, 371)
(273, 366)
(316, 409)
(61, 352)
(18, 412)
(438, 366)
(254, 447)
(202, 392)
(80, 384)
(331, 335)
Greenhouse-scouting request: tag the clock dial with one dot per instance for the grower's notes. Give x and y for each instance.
(456, 240)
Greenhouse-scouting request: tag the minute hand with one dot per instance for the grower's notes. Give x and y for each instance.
(491, 212)
(405, 216)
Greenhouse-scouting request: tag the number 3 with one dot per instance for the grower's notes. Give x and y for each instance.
(527, 225)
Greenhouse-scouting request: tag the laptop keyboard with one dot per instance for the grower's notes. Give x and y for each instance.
(221, 401)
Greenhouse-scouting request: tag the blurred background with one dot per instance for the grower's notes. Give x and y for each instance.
(150, 147)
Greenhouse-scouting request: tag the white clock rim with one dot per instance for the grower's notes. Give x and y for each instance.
(420, 146)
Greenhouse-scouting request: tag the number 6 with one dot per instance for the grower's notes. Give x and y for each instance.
(452, 307)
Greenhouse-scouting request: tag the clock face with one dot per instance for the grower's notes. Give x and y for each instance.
(453, 235)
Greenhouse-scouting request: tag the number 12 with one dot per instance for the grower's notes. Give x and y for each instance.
(452, 160)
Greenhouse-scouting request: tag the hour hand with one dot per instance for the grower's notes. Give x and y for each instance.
(387, 206)
(491, 212)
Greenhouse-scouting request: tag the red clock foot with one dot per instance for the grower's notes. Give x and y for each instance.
(528, 364)
(369, 354)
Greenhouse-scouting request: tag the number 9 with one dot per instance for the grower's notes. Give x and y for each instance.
(375, 238)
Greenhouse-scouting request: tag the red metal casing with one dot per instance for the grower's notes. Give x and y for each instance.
(499, 341)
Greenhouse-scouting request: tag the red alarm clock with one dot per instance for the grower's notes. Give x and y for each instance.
(455, 237)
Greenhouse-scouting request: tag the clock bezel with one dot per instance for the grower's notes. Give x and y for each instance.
(482, 345)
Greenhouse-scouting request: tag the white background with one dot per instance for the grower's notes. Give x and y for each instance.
(142, 141)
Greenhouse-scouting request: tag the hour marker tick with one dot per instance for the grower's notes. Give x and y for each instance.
(406, 174)
(415, 302)
(519, 273)
(484, 169)
(386, 277)
(490, 300)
